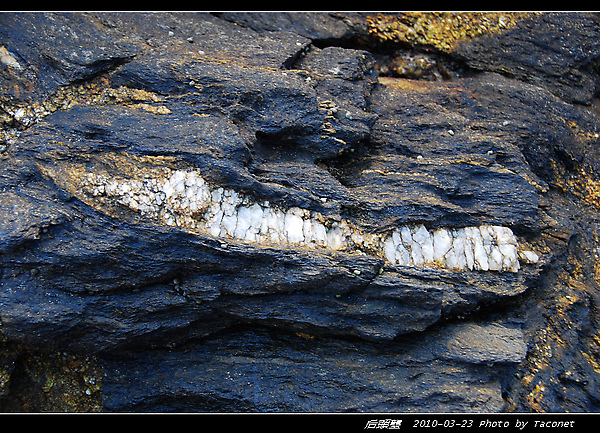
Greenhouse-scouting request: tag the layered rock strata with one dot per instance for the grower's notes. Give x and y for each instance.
(240, 212)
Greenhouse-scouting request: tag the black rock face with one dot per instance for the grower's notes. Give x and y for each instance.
(289, 113)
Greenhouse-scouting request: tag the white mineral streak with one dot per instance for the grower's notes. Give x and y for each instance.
(475, 248)
(184, 199)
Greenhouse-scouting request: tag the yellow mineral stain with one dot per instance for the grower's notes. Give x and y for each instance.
(441, 30)
(161, 109)
(407, 84)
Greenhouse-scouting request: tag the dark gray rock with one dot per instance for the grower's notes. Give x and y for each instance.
(310, 291)
(551, 50)
(479, 344)
(266, 105)
(55, 49)
(264, 372)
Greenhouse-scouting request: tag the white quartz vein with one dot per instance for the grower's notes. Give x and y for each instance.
(183, 198)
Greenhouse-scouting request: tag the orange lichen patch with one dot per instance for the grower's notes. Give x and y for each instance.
(541, 351)
(584, 184)
(543, 347)
(592, 352)
(588, 187)
(441, 30)
(536, 397)
(581, 182)
(580, 133)
(593, 360)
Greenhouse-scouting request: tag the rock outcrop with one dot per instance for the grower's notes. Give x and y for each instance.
(299, 212)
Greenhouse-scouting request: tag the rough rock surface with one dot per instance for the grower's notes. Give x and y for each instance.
(374, 121)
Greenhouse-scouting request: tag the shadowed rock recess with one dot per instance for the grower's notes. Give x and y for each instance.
(299, 212)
